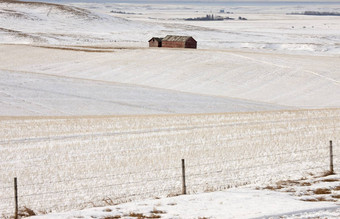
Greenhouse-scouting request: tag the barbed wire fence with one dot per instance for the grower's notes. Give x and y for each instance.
(185, 178)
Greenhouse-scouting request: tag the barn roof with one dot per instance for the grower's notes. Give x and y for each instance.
(159, 39)
(176, 38)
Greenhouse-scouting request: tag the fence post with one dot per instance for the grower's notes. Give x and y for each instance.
(184, 189)
(331, 170)
(16, 197)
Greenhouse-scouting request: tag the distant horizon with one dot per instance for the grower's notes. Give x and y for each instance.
(201, 2)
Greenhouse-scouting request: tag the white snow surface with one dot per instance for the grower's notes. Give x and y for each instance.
(38, 94)
(233, 203)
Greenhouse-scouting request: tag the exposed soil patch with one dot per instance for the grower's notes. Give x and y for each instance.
(313, 189)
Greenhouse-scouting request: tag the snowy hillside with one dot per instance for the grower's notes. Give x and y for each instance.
(38, 22)
(37, 94)
(287, 80)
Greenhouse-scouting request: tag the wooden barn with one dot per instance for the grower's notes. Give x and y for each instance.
(172, 41)
(155, 42)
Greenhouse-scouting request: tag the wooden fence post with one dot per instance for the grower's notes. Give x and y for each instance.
(331, 170)
(184, 189)
(16, 197)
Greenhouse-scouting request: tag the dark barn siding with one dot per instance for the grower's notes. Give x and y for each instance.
(155, 42)
(191, 43)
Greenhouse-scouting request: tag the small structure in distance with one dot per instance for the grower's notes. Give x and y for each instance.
(155, 42)
(172, 41)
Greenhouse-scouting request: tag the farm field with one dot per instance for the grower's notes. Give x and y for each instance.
(70, 163)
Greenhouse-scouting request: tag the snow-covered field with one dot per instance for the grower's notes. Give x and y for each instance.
(66, 163)
(79, 66)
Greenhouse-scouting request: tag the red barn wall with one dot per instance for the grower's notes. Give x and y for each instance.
(190, 43)
(172, 44)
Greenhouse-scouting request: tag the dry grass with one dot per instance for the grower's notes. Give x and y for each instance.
(155, 211)
(329, 180)
(310, 200)
(109, 201)
(336, 196)
(142, 216)
(327, 173)
(326, 199)
(321, 191)
(137, 215)
(321, 199)
(270, 188)
(26, 212)
(154, 216)
(112, 217)
(318, 199)
(173, 195)
(305, 184)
